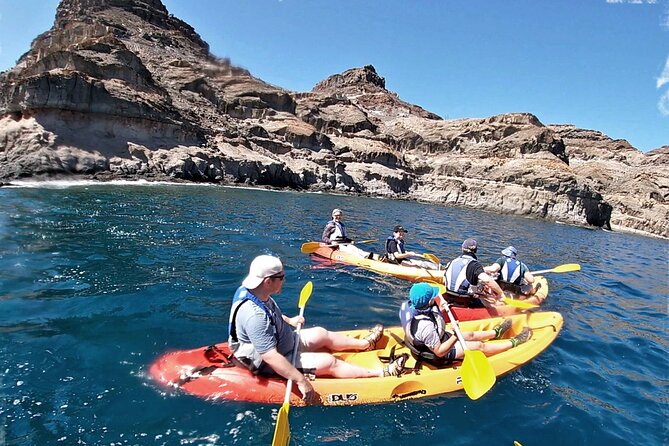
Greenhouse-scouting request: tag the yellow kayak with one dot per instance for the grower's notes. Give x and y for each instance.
(411, 273)
(208, 372)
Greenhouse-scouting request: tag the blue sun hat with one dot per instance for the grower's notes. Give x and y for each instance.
(421, 294)
(510, 252)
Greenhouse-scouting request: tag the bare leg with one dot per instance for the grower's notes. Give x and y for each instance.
(488, 348)
(478, 335)
(329, 366)
(318, 338)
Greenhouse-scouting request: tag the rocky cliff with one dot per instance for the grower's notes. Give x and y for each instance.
(120, 88)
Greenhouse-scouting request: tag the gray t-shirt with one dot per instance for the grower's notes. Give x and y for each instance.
(254, 327)
(426, 332)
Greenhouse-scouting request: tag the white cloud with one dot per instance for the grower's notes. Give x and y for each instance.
(663, 104)
(664, 77)
(663, 80)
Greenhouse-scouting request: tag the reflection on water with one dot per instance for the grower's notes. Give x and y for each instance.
(96, 281)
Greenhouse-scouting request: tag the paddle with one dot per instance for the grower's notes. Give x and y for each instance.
(566, 268)
(511, 302)
(309, 247)
(478, 375)
(432, 258)
(282, 428)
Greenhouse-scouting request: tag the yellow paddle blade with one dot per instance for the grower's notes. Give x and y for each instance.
(305, 293)
(519, 303)
(282, 428)
(309, 247)
(442, 288)
(432, 258)
(478, 375)
(566, 268)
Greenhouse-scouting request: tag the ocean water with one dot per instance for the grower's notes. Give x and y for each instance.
(97, 281)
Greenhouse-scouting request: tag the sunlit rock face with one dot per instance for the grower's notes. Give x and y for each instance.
(122, 89)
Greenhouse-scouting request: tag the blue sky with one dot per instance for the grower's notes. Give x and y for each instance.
(597, 64)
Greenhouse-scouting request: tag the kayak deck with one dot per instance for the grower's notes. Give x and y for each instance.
(205, 372)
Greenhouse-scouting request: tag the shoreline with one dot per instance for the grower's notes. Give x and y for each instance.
(64, 181)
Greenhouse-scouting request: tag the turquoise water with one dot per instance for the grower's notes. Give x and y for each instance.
(96, 281)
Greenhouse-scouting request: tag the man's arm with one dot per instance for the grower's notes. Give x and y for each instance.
(528, 275)
(327, 232)
(492, 285)
(283, 367)
(393, 247)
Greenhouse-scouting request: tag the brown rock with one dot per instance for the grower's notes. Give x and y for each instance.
(122, 89)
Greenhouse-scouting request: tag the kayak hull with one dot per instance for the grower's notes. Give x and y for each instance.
(204, 372)
(465, 313)
(411, 273)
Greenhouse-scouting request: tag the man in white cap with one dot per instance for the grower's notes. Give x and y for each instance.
(514, 275)
(261, 337)
(334, 234)
(465, 273)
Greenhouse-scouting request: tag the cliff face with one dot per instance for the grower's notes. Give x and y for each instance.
(119, 88)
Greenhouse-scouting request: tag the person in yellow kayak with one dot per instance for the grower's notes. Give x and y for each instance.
(428, 339)
(396, 251)
(465, 278)
(512, 274)
(262, 339)
(334, 234)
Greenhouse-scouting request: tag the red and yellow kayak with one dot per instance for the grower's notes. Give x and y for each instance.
(462, 312)
(207, 372)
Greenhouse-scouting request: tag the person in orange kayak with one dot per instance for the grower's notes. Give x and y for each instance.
(512, 274)
(262, 339)
(465, 276)
(426, 335)
(396, 251)
(334, 234)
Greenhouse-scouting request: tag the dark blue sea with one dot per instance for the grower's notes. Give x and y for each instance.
(98, 280)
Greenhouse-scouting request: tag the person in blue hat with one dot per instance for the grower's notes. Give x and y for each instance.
(512, 274)
(465, 277)
(428, 339)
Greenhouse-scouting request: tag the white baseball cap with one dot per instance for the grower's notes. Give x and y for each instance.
(262, 266)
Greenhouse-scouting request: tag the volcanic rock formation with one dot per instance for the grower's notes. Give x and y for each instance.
(120, 88)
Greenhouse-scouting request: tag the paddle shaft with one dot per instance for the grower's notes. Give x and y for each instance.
(289, 384)
(456, 328)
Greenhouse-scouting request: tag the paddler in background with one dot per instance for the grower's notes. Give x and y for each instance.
(512, 274)
(396, 251)
(334, 234)
(261, 337)
(466, 281)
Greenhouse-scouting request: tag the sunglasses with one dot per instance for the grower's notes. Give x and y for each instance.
(278, 276)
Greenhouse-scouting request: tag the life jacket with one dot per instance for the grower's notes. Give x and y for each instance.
(390, 255)
(245, 351)
(409, 318)
(510, 272)
(455, 276)
(339, 233)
